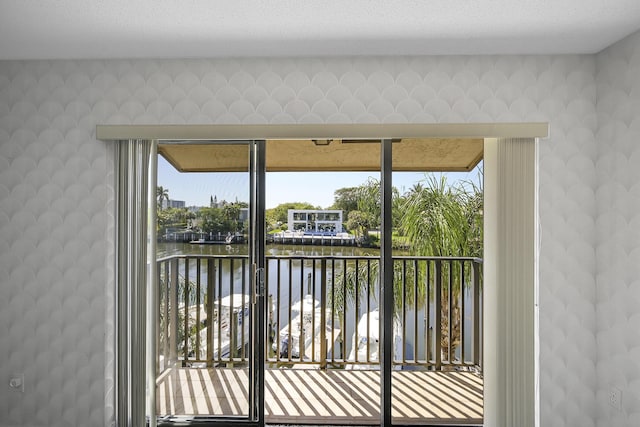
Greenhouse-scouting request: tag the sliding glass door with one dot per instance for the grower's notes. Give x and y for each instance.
(340, 322)
(210, 310)
(436, 220)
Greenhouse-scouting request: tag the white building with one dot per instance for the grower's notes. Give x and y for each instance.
(173, 204)
(315, 221)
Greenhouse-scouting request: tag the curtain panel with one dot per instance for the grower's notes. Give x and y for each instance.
(135, 216)
(511, 283)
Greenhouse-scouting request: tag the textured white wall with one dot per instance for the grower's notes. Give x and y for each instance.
(618, 232)
(56, 194)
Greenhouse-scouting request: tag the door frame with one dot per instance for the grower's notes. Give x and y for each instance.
(255, 416)
(124, 133)
(257, 257)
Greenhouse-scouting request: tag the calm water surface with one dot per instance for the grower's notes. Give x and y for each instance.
(171, 248)
(283, 296)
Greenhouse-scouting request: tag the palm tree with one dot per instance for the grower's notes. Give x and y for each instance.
(415, 188)
(161, 194)
(439, 220)
(446, 220)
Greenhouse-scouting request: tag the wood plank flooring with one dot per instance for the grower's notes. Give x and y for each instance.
(311, 396)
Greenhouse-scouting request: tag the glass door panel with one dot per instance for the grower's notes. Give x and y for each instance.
(437, 225)
(323, 359)
(206, 272)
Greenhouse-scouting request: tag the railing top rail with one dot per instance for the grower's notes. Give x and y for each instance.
(333, 257)
(201, 256)
(438, 258)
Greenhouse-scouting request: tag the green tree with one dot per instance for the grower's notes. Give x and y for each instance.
(415, 189)
(231, 212)
(359, 223)
(212, 220)
(366, 199)
(369, 201)
(162, 221)
(439, 220)
(177, 218)
(161, 194)
(346, 200)
(190, 216)
(277, 216)
(445, 220)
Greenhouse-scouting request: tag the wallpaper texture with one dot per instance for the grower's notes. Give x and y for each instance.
(56, 198)
(618, 232)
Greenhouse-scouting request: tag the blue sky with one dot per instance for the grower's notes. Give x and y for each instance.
(316, 188)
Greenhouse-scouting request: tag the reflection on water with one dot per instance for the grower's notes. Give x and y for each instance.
(296, 278)
(176, 248)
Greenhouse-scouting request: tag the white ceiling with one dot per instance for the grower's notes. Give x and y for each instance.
(41, 29)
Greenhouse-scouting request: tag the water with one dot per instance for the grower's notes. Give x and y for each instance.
(296, 284)
(176, 248)
(291, 286)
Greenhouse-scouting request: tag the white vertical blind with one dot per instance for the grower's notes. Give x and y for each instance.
(152, 314)
(133, 160)
(511, 253)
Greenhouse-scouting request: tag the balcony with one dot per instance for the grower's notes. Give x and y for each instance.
(322, 328)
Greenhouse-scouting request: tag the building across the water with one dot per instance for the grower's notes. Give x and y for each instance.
(315, 221)
(173, 204)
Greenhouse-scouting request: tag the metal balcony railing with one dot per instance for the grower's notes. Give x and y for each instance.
(321, 311)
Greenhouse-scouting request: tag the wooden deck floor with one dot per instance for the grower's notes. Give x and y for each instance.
(313, 396)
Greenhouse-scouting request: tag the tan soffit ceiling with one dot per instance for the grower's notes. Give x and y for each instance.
(409, 154)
